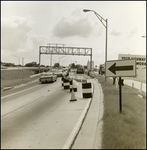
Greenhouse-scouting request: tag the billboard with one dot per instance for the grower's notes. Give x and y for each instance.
(140, 64)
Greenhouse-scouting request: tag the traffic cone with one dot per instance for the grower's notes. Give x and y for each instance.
(73, 98)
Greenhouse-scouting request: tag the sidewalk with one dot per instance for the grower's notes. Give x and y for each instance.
(91, 128)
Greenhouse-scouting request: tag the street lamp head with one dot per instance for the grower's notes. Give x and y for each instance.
(85, 10)
(143, 36)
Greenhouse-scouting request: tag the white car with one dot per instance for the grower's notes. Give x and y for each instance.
(48, 77)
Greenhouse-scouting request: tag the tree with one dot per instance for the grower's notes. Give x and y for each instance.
(73, 65)
(8, 64)
(42, 65)
(56, 65)
(32, 64)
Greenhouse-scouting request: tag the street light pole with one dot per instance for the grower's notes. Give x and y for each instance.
(106, 43)
(60, 58)
(106, 26)
(22, 61)
(18, 60)
(62, 62)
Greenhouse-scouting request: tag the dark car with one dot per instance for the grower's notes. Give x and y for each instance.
(80, 71)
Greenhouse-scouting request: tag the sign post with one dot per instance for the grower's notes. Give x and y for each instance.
(120, 103)
(121, 68)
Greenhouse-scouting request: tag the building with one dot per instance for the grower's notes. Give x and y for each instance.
(90, 64)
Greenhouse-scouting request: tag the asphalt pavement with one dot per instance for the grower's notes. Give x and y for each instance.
(87, 126)
(88, 132)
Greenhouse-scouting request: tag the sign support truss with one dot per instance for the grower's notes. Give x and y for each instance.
(61, 50)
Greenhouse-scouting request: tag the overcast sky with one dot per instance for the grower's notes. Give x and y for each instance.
(26, 25)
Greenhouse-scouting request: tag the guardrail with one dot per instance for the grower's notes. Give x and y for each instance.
(132, 83)
(36, 75)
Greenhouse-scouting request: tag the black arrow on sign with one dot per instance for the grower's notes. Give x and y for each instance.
(115, 68)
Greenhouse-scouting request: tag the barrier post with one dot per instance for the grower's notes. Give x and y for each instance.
(66, 83)
(72, 86)
(87, 90)
(62, 81)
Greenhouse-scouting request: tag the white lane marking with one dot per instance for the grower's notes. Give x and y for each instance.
(19, 92)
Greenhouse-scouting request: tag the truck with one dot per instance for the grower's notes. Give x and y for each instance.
(102, 69)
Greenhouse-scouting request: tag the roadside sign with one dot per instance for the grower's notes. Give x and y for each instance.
(121, 68)
(140, 64)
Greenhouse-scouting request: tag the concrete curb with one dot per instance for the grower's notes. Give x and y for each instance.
(7, 88)
(70, 141)
(20, 85)
(98, 136)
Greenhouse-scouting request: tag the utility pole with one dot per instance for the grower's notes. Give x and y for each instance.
(22, 61)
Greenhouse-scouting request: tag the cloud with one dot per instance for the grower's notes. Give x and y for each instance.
(32, 44)
(73, 26)
(14, 32)
(133, 32)
(115, 32)
(16, 37)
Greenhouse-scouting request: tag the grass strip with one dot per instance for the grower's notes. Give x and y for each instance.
(15, 77)
(126, 130)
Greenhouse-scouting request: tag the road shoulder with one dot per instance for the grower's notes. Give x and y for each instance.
(87, 134)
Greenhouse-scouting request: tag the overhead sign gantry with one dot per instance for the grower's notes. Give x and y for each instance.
(62, 50)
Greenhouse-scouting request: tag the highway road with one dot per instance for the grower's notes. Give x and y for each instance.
(40, 117)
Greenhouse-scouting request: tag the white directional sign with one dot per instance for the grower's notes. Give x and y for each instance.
(121, 68)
